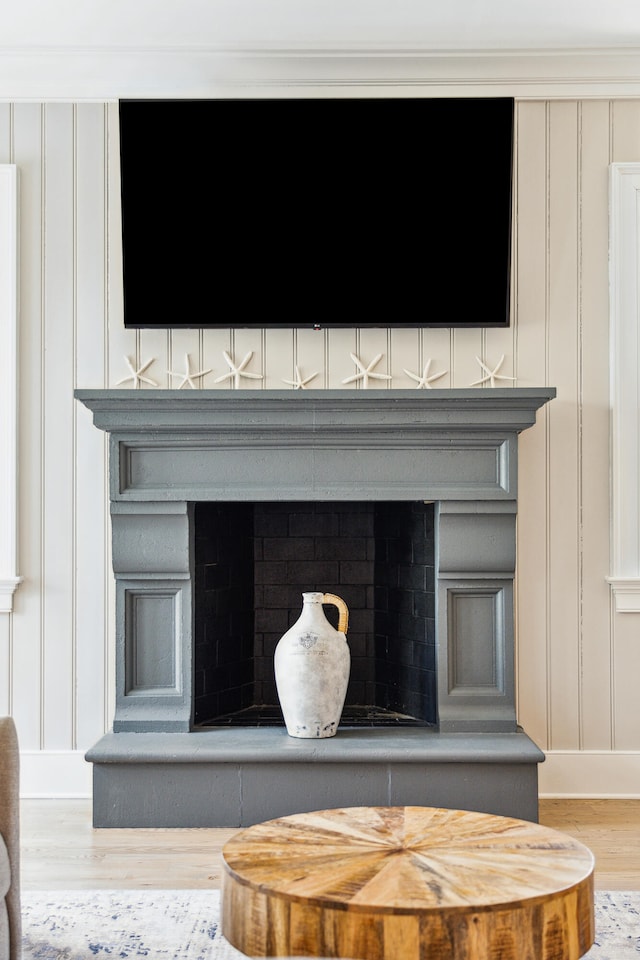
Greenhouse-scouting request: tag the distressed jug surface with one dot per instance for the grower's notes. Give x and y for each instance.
(312, 667)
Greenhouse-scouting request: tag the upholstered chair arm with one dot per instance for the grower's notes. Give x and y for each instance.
(10, 827)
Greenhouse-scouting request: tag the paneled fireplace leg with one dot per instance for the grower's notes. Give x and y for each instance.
(153, 566)
(476, 566)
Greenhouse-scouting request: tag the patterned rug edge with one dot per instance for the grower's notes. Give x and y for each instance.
(184, 925)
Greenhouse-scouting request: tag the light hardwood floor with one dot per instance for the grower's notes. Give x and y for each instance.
(61, 850)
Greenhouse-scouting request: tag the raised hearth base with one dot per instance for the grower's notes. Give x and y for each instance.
(238, 777)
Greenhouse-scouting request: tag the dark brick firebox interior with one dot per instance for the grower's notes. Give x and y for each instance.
(254, 561)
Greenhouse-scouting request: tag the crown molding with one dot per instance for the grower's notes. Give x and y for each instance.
(109, 73)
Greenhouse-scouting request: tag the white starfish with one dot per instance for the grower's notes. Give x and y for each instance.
(237, 370)
(424, 381)
(188, 376)
(491, 375)
(136, 375)
(300, 382)
(365, 373)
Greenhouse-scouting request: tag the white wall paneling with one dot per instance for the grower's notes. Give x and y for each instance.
(624, 185)
(407, 354)
(59, 661)
(577, 656)
(593, 429)
(214, 344)
(9, 578)
(27, 131)
(340, 345)
(310, 354)
(531, 257)
(92, 650)
(248, 343)
(6, 646)
(58, 446)
(563, 438)
(121, 343)
(279, 349)
(375, 342)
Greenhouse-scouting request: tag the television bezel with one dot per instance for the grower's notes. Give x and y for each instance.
(504, 322)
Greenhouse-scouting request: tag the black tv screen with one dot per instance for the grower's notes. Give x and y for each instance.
(350, 212)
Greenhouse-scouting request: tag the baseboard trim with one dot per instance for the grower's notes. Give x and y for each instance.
(590, 775)
(568, 774)
(54, 774)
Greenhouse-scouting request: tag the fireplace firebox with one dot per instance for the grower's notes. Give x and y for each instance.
(253, 561)
(225, 506)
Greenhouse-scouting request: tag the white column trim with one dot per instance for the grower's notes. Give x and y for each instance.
(624, 304)
(9, 578)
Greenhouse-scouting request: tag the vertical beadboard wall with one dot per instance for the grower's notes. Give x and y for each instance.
(577, 661)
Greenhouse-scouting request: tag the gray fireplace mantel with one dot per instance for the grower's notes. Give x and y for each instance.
(170, 449)
(436, 444)
(511, 408)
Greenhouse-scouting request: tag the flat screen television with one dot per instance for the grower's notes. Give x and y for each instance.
(347, 212)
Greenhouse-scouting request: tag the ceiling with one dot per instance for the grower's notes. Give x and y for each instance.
(323, 24)
(110, 48)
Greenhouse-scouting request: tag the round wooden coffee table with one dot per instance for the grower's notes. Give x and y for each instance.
(401, 883)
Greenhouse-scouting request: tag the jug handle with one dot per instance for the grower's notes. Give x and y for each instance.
(343, 620)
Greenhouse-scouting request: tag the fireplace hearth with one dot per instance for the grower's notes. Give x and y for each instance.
(225, 506)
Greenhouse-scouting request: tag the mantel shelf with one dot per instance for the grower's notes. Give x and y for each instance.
(508, 409)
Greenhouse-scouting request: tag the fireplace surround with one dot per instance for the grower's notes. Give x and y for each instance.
(175, 454)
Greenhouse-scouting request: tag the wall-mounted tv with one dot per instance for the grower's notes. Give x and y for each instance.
(345, 212)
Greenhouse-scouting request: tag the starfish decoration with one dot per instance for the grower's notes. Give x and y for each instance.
(424, 381)
(491, 375)
(136, 375)
(237, 371)
(300, 382)
(365, 373)
(188, 376)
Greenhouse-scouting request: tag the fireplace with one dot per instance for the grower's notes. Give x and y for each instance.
(225, 505)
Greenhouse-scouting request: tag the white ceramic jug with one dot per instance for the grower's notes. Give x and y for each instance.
(312, 666)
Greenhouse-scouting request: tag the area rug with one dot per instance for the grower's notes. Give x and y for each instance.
(183, 925)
